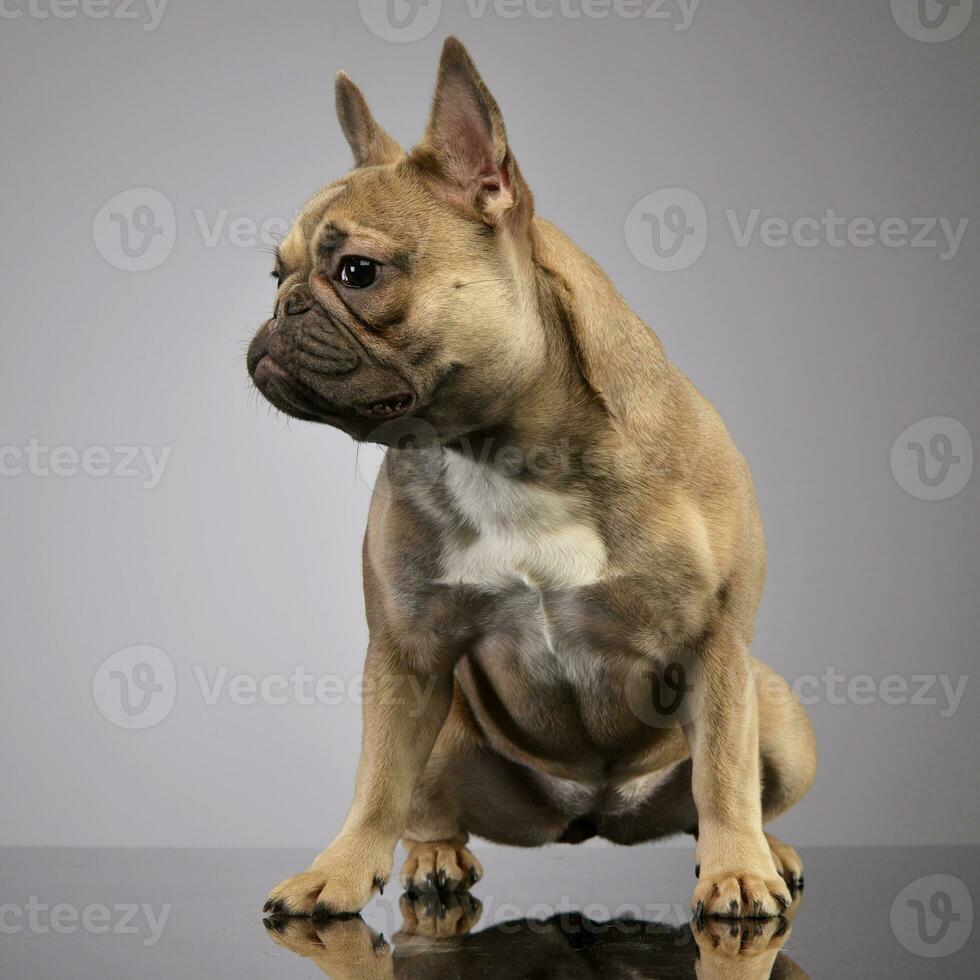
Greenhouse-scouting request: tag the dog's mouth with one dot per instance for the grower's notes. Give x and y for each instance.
(298, 398)
(392, 407)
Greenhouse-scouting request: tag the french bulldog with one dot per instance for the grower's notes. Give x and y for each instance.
(563, 555)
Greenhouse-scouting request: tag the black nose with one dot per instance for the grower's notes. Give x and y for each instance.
(296, 303)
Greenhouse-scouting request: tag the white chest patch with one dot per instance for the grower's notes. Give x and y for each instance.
(540, 536)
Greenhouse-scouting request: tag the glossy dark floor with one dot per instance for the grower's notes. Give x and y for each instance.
(562, 912)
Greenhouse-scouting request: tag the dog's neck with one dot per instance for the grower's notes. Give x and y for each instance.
(555, 427)
(601, 381)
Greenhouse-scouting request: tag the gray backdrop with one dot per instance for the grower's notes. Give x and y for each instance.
(183, 630)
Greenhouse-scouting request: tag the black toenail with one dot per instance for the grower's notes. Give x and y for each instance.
(697, 871)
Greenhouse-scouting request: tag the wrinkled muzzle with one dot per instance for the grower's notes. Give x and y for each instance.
(312, 367)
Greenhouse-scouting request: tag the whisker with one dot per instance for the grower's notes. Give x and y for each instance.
(477, 282)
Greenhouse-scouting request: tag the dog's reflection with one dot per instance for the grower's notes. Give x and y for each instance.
(436, 942)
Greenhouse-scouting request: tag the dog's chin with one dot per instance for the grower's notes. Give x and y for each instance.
(359, 419)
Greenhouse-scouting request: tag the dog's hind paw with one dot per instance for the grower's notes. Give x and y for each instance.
(788, 863)
(435, 916)
(439, 866)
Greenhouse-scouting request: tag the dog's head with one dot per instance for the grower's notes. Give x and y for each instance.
(402, 285)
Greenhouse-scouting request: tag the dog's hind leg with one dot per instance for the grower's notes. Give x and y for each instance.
(467, 788)
(786, 744)
(788, 755)
(435, 838)
(789, 762)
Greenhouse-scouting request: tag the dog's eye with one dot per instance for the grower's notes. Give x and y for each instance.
(358, 272)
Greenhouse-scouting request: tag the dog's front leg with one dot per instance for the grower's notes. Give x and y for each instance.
(403, 712)
(737, 876)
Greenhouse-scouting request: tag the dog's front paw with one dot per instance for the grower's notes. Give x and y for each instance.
(739, 895)
(743, 949)
(340, 881)
(345, 949)
(443, 866)
(737, 878)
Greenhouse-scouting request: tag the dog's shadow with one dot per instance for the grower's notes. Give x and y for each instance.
(436, 942)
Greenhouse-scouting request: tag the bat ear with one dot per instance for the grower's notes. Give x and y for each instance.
(465, 146)
(370, 144)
